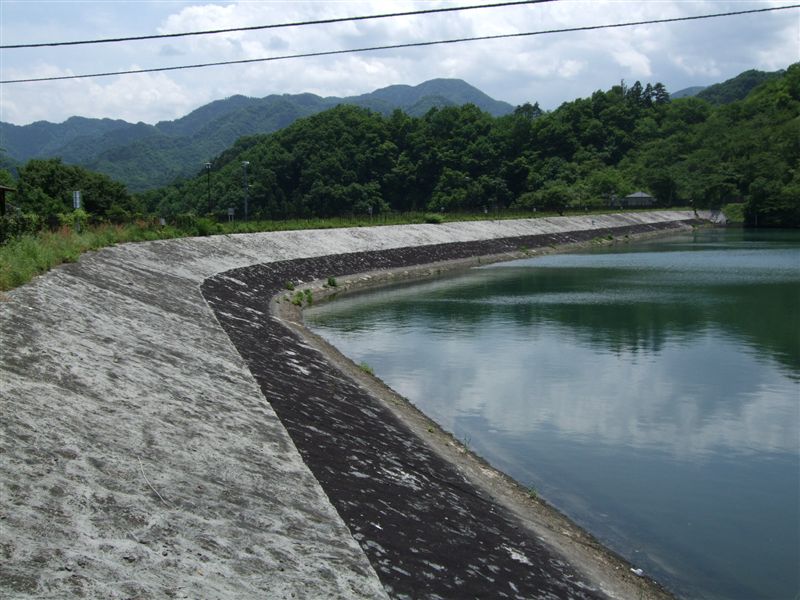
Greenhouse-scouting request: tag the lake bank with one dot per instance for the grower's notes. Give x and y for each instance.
(140, 455)
(649, 390)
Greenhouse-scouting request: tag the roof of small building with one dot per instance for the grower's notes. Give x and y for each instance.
(639, 195)
(5, 188)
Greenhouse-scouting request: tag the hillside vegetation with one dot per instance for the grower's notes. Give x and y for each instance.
(684, 152)
(351, 161)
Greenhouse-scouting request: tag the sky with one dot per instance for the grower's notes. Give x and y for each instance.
(549, 69)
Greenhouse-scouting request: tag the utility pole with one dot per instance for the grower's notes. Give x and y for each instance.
(245, 163)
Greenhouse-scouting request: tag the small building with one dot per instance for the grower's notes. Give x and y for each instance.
(637, 199)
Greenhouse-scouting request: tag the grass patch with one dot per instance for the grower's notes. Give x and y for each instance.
(23, 258)
(366, 368)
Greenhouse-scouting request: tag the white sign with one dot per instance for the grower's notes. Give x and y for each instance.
(76, 199)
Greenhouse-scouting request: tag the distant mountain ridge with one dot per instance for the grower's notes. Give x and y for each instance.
(687, 92)
(147, 156)
(736, 88)
(730, 90)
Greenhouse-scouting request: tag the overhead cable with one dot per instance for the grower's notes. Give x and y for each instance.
(406, 45)
(427, 11)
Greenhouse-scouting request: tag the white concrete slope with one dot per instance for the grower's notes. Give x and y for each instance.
(138, 457)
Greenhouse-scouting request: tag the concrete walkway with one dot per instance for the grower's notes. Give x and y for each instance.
(139, 456)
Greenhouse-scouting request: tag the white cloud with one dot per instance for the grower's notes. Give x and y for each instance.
(637, 63)
(569, 69)
(118, 98)
(693, 65)
(545, 68)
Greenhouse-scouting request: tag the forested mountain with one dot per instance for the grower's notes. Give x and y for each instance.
(351, 160)
(44, 139)
(417, 100)
(147, 156)
(732, 89)
(736, 88)
(684, 151)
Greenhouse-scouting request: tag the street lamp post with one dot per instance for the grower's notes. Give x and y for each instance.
(208, 179)
(245, 163)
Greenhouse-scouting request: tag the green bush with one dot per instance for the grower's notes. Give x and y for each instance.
(734, 213)
(19, 223)
(434, 219)
(186, 221)
(205, 226)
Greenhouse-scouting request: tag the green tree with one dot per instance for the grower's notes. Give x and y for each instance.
(46, 188)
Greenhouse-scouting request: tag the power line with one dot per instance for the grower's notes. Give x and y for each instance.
(407, 45)
(427, 11)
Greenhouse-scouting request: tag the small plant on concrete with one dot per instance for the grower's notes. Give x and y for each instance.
(289, 286)
(366, 368)
(532, 493)
(332, 282)
(309, 297)
(298, 299)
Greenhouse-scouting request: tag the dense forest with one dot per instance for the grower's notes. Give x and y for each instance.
(350, 160)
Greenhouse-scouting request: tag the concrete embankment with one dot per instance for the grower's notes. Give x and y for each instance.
(164, 435)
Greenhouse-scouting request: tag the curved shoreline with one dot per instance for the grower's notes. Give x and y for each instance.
(141, 455)
(347, 437)
(604, 568)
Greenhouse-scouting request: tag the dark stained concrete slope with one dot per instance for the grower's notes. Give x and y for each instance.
(428, 532)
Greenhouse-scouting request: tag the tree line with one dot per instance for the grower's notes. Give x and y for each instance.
(350, 160)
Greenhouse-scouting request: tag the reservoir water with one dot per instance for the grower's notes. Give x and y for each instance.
(650, 391)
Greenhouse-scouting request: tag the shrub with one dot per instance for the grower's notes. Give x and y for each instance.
(366, 368)
(205, 226)
(434, 219)
(19, 223)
